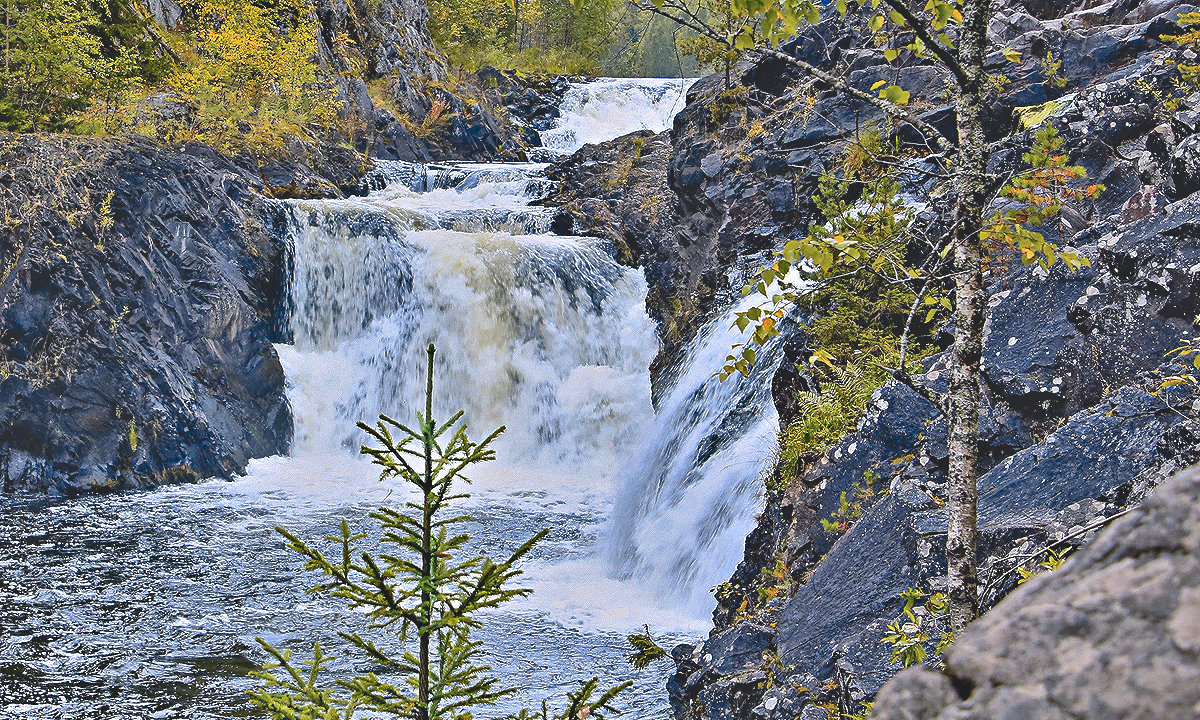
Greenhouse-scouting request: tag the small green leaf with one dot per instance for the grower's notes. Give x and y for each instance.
(895, 94)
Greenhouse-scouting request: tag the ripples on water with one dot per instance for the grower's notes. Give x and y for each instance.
(147, 604)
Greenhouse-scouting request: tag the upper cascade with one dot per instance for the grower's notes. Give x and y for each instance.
(600, 110)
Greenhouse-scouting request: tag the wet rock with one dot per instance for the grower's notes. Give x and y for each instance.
(136, 316)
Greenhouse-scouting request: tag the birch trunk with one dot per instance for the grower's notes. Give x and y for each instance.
(970, 307)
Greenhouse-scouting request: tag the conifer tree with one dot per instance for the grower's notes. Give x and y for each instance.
(427, 590)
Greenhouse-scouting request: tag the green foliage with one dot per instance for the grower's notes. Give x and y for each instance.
(775, 581)
(1189, 40)
(589, 702)
(553, 36)
(251, 71)
(852, 505)
(1036, 197)
(426, 589)
(850, 276)
(909, 633)
(716, 53)
(853, 272)
(849, 272)
(1054, 560)
(1052, 71)
(827, 415)
(645, 651)
(864, 712)
(53, 55)
(1188, 353)
(728, 102)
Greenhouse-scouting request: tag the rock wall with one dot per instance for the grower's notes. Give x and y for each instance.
(1115, 633)
(138, 289)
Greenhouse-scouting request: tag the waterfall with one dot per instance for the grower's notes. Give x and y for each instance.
(600, 110)
(148, 596)
(688, 502)
(543, 333)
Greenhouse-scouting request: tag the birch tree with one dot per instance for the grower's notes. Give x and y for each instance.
(953, 35)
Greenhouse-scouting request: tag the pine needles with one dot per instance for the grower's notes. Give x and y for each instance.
(426, 590)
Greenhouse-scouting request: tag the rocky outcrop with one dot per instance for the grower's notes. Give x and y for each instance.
(619, 190)
(1115, 633)
(138, 292)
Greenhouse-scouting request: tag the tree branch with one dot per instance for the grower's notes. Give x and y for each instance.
(842, 84)
(943, 54)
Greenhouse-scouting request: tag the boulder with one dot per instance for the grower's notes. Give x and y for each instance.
(137, 312)
(1114, 633)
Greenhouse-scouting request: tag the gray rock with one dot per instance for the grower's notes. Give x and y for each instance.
(137, 333)
(1113, 634)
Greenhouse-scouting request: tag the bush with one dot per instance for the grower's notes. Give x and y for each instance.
(252, 74)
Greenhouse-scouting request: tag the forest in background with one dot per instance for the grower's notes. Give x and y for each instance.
(249, 73)
(595, 37)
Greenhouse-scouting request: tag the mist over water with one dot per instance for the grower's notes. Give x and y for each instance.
(147, 604)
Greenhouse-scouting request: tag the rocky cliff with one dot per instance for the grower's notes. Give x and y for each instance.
(1075, 428)
(138, 294)
(140, 282)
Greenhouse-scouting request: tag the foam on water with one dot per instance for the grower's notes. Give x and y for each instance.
(600, 110)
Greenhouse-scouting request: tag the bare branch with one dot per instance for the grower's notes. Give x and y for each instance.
(890, 109)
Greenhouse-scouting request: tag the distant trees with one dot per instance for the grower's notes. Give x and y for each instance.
(544, 35)
(61, 55)
(247, 73)
(250, 70)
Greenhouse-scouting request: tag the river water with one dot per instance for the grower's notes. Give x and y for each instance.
(147, 604)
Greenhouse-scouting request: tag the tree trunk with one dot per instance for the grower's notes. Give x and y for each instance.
(426, 552)
(970, 306)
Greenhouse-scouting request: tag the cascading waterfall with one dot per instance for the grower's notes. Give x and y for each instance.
(593, 112)
(683, 511)
(546, 334)
(149, 596)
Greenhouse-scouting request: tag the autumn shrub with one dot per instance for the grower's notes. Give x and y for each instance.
(64, 57)
(251, 72)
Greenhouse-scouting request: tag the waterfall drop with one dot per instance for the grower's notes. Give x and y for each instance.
(547, 334)
(600, 110)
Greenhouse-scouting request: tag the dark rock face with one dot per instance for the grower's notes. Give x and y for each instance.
(387, 42)
(619, 190)
(137, 306)
(1075, 428)
(1114, 633)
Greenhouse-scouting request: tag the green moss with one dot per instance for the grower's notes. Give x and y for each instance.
(727, 103)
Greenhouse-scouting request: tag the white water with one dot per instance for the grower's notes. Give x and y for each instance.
(689, 501)
(546, 334)
(601, 110)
